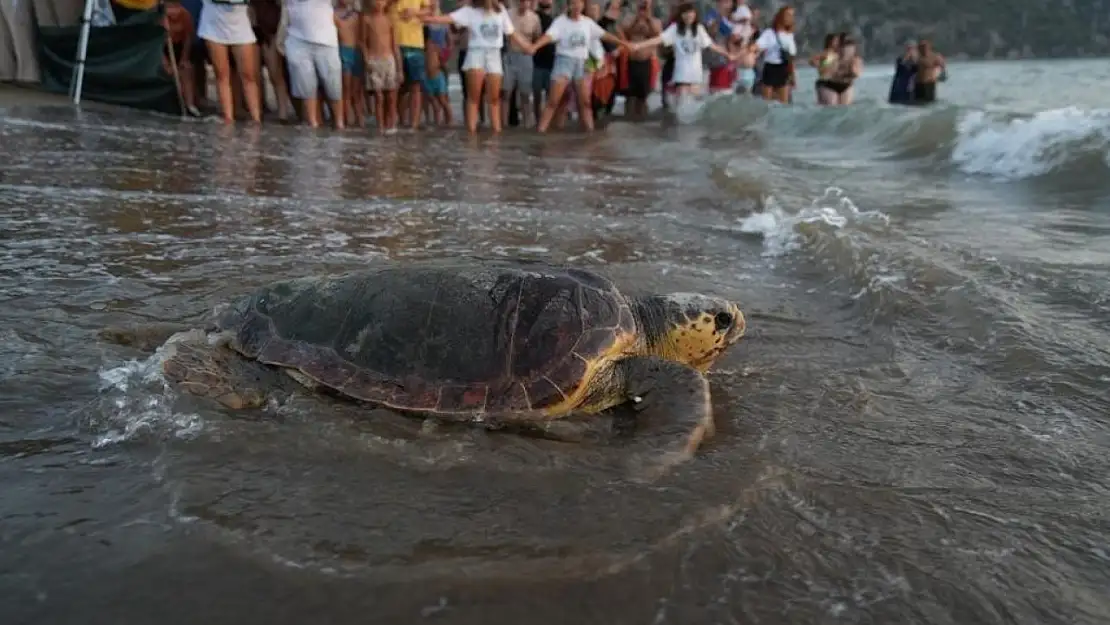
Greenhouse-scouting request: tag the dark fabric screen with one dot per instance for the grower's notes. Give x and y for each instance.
(123, 64)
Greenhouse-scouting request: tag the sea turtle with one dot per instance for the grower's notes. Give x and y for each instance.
(512, 342)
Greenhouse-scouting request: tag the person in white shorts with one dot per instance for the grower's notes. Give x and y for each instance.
(225, 27)
(518, 63)
(312, 51)
(487, 24)
(573, 35)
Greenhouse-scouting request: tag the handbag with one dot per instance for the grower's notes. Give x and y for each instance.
(787, 58)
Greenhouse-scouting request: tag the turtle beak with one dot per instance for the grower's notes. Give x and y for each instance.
(739, 325)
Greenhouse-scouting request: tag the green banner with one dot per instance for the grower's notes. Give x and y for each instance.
(123, 64)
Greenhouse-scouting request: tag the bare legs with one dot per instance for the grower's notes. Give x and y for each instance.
(555, 97)
(246, 61)
(474, 80)
(274, 63)
(493, 98)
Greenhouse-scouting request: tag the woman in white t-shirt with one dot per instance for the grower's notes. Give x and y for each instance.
(487, 24)
(572, 34)
(778, 48)
(688, 38)
(225, 27)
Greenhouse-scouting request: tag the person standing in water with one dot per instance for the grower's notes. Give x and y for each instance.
(348, 23)
(930, 65)
(905, 71)
(826, 61)
(849, 66)
(225, 27)
(487, 24)
(744, 51)
(383, 65)
(607, 79)
(572, 35)
(267, 21)
(312, 51)
(688, 38)
(641, 62)
(436, 103)
(778, 47)
(408, 32)
(180, 33)
(519, 65)
(543, 61)
(719, 24)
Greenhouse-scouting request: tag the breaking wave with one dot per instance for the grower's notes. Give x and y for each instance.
(1004, 146)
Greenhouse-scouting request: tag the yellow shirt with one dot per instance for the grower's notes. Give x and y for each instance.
(409, 34)
(138, 5)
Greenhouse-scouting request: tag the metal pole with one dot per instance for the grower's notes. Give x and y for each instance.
(176, 74)
(78, 78)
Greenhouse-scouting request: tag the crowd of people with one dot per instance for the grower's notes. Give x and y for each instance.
(521, 63)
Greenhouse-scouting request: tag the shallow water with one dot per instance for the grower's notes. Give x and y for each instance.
(914, 430)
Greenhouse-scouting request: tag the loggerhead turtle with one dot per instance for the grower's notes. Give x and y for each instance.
(512, 342)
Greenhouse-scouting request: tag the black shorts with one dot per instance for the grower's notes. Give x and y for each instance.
(924, 92)
(639, 79)
(667, 71)
(775, 75)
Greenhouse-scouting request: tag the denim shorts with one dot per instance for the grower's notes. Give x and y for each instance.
(568, 67)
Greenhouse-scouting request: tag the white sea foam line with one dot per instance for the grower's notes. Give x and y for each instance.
(777, 227)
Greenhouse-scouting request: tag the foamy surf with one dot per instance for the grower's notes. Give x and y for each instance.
(1026, 147)
(781, 230)
(136, 400)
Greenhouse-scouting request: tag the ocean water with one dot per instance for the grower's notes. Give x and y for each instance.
(915, 429)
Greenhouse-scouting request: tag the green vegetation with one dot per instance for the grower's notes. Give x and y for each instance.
(985, 29)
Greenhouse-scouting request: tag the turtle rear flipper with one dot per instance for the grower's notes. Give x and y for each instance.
(674, 413)
(211, 369)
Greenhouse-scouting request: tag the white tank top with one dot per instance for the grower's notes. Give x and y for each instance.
(313, 21)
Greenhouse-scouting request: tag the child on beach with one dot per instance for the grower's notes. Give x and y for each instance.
(745, 52)
(379, 51)
(347, 23)
(435, 81)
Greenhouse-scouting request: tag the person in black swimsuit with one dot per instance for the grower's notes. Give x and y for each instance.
(848, 67)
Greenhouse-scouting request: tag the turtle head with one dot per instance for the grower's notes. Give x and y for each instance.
(691, 328)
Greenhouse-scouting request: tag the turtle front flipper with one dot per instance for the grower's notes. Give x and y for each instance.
(205, 367)
(674, 413)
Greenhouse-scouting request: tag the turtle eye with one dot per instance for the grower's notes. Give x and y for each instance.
(723, 321)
